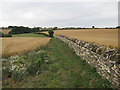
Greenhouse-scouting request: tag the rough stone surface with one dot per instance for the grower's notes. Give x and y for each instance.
(105, 59)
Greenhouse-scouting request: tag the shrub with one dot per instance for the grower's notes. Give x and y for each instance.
(51, 32)
(55, 28)
(10, 27)
(93, 26)
(35, 29)
(7, 35)
(36, 62)
(20, 30)
(20, 66)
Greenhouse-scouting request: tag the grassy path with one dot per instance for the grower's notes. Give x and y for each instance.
(65, 69)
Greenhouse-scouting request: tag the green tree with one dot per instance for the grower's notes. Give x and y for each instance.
(93, 26)
(20, 30)
(55, 28)
(10, 26)
(51, 32)
(35, 29)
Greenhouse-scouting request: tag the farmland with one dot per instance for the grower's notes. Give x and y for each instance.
(28, 35)
(63, 67)
(108, 37)
(5, 31)
(16, 45)
(71, 44)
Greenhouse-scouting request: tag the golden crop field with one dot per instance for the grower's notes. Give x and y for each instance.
(16, 45)
(5, 31)
(107, 37)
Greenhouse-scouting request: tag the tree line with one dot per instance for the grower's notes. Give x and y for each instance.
(21, 30)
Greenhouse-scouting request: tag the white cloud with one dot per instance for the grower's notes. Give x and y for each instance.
(28, 15)
(61, 14)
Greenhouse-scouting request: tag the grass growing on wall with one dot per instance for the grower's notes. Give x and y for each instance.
(65, 69)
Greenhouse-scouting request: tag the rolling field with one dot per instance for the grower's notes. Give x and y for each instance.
(107, 37)
(16, 45)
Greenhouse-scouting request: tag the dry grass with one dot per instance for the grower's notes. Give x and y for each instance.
(5, 31)
(107, 37)
(16, 45)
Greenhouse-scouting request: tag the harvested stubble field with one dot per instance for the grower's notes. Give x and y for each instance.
(5, 31)
(108, 37)
(17, 45)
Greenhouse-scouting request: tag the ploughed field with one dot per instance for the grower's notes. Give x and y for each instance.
(16, 45)
(108, 37)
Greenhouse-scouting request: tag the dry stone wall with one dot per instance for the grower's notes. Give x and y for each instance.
(105, 59)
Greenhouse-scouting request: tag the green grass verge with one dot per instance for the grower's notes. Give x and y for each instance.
(28, 35)
(65, 70)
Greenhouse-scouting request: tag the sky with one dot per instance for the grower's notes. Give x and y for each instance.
(60, 13)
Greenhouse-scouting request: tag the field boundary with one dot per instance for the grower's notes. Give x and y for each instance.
(103, 58)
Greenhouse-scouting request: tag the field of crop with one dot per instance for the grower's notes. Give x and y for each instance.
(107, 37)
(28, 35)
(16, 45)
(5, 31)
